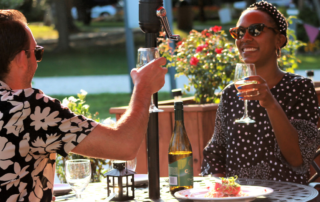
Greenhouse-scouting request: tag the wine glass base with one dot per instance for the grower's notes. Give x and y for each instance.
(154, 110)
(245, 120)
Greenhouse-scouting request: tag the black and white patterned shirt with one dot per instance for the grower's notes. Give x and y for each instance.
(251, 150)
(33, 128)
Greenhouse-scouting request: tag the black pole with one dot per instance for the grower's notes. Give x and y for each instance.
(150, 25)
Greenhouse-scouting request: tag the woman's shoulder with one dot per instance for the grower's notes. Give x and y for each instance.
(296, 79)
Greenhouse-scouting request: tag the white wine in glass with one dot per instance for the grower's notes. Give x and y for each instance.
(78, 175)
(146, 55)
(242, 71)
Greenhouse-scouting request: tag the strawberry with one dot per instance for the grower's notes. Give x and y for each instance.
(228, 186)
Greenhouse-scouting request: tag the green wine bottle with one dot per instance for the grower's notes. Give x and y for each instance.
(180, 151)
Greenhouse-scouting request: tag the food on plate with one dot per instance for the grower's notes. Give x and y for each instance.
(227, 188)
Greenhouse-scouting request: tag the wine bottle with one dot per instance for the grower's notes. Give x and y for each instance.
(180, 152)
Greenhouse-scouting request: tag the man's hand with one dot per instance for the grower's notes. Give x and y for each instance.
(151, 77)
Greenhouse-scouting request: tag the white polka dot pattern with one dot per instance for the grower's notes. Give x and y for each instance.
(251, 150)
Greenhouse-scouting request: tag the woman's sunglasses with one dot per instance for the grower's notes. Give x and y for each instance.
(38, 52)
(254, 30)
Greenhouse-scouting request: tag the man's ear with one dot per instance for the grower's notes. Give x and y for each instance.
(20, 60)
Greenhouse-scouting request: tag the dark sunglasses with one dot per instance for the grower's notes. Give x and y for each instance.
(254, 30)
(38, 53)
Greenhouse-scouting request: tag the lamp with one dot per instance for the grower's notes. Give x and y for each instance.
(120, 181)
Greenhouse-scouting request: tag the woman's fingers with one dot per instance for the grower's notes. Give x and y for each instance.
(256, 78)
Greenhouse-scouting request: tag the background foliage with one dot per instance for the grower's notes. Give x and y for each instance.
(207, 58)
(79, 107)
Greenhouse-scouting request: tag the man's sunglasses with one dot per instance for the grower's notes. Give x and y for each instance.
(254, 30)
(38, 52)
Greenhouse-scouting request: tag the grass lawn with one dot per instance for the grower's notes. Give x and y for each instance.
(309, 62)
(101, 103)
(109, 60)
(86, 61)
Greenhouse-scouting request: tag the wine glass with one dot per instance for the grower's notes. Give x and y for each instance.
(146, 55)
(78, 175)
(242, 71)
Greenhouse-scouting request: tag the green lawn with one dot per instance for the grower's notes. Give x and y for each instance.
(309, 62)
(88, 61)
(109, 60)
(101, 103)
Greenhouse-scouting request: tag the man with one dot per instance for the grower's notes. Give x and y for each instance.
(34, 127)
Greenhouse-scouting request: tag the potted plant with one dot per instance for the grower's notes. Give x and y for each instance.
(207, 58)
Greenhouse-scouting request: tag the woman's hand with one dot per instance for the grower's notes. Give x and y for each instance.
(259, 91)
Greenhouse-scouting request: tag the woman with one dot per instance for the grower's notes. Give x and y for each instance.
(281, 144)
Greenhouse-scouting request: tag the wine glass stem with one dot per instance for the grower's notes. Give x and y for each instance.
(152, 103)
(78, 195)
(245, 109)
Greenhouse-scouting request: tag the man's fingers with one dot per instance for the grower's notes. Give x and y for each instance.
(160, 61)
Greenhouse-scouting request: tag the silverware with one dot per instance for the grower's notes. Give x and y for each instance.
(64, 196)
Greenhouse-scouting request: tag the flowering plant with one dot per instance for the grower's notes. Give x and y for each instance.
(207, 58)
(78, 106)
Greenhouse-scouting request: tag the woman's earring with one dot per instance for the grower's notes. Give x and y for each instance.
(278, 52)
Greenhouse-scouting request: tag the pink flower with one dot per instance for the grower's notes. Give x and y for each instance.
(216, 28)
(194, 61)
(219, 50)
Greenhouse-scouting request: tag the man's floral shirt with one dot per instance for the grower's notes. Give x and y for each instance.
(33, 128)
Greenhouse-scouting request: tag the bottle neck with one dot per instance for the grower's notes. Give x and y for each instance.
(178, 111)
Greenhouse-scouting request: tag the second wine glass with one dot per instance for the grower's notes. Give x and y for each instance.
(78, 175)
(242, 71)
(146, 55)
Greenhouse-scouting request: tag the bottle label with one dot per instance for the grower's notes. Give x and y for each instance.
(181, 172)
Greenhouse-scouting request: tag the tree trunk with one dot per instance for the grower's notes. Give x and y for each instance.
(249, 2)
(300, 4)
(202, 15)
(62, 25)
(71, 26)
(317, 8)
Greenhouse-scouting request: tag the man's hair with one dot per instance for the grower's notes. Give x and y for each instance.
(13, 38)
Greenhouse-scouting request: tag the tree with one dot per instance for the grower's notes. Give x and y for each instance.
(317, 8)
(249, 2)
(62, 25)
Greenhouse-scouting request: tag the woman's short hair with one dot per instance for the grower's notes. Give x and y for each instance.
(13, 36)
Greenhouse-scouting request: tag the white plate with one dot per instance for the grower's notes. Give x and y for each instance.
(198, 194)
(60, 189)
(141, 179)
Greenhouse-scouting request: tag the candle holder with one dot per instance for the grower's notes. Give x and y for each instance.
(120, 182)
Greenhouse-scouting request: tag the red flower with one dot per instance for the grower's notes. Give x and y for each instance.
(216, 28)
(201, 47)
(194, 61)
(219, 50)
(208, 34)
(204, 32)
(179, 43)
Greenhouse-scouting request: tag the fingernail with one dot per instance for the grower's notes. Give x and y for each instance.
(247, 78)
(239, 87)
(238, 94)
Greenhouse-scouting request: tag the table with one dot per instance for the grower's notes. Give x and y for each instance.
(283, 191)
